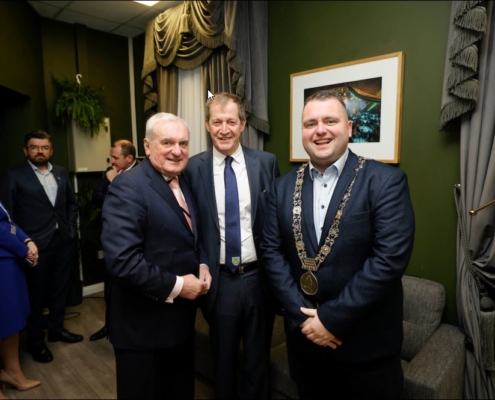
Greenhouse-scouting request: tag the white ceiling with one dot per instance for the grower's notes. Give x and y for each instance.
(125, 18)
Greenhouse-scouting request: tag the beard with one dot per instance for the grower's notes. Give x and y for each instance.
(39, 160)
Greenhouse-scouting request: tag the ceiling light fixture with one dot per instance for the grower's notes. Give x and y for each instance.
(147, 3)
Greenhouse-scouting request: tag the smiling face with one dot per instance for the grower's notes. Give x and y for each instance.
(325, 132)
(168, 147)
(225, 126)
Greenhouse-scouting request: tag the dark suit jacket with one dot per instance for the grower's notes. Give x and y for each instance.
(100, 193)
(360, 292)
(25, 198)
(262, 169)
(146, 243)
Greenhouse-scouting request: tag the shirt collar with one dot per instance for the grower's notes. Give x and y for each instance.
(339, 165)
(130, 166)
(35, 168)
(219, 158)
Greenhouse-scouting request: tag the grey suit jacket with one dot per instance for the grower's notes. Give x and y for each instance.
(262, 169)
(28, 204)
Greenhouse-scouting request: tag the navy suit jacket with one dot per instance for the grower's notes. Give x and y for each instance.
(146, 243)
(28, 204)
(100, 193)
(262, 169)
(359, 298)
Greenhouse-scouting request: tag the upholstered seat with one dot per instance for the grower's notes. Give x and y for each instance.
(433, 354)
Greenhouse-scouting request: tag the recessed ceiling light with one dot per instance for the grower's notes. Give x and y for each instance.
(147, 3)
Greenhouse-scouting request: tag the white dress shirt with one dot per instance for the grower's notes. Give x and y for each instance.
(48, 182)
(248, 250)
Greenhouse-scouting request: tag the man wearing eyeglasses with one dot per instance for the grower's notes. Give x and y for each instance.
(40, 199)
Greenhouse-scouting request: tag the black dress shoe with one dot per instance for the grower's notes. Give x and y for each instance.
(41, 353)
(64, 336)
(99, 335)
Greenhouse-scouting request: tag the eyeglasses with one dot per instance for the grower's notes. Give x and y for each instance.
(38, 148)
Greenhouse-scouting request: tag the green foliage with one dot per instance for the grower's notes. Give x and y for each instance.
(89, 214)
(80, 103)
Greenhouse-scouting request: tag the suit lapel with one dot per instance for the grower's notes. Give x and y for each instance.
(31, 175)
(60, 182)
(342, 184)
(253, 172)
(159, 185)
(184, 187)
(308, 222)
(206, 174)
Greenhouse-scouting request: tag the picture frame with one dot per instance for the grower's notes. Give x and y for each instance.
(372, 91)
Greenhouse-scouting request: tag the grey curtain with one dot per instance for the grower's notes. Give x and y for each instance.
(477, 126)
(228, 39)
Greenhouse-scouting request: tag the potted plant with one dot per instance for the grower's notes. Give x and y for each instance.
(78, 102)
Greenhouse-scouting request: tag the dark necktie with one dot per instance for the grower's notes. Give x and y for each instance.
(232, 219)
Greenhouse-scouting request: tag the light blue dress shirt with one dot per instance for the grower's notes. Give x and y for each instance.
(323, 188)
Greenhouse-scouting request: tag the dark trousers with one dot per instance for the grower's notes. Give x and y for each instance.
(157, 373)
(318, 375)
(241, 313)
(48, 284)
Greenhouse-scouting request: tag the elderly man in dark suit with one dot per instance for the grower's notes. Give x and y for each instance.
(156, 267)
(239, 306)
(337, 240)
(40, 199)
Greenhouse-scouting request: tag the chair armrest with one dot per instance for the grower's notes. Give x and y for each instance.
(437, 371)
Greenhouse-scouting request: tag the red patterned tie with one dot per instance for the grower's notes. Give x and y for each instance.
(174, 185)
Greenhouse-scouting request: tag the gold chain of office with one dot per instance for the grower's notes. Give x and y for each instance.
(308, 282)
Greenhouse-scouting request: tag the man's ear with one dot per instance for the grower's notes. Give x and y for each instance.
(146, 146)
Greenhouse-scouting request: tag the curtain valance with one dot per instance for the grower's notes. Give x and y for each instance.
(188, 35)
(461, 86)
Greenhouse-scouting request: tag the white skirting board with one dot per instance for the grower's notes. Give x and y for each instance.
(92, 289)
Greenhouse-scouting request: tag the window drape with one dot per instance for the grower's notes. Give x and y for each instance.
(228, 39)
(476, 254)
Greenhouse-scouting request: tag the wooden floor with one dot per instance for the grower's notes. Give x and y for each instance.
(84, 370)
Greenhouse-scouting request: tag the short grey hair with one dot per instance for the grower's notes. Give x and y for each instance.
(167, 117)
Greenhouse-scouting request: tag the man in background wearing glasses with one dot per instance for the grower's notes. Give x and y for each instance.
(39, 198)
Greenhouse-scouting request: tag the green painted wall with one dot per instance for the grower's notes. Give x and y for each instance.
(32, 49)
(304, 35)
(22, 102)
(102, 60)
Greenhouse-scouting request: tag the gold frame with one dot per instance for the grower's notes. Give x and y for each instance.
(390, 67)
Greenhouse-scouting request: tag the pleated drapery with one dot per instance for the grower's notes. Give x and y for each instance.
(228, 39)
(469, 99)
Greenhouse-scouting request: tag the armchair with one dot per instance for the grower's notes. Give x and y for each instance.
(433, 354)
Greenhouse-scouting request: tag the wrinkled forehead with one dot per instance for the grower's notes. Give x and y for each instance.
(173, 130)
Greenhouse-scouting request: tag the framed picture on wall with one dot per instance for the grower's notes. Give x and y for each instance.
(372, 91)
